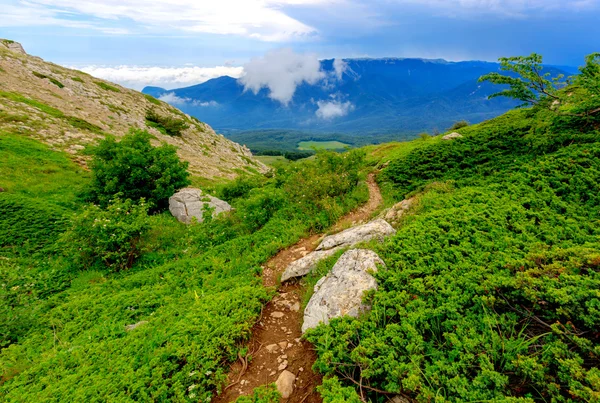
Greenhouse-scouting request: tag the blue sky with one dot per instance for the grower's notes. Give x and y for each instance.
(182, 42)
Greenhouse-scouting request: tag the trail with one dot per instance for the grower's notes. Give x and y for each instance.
(276, 343)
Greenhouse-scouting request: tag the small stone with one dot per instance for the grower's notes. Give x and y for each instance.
(290, 345)
(129, 328)
(285, 384)
(282, 366)
(271, 348)
(295, 307)
(272, 373)
(277, 314)
(301, 369)
(283, 344)
(284, 356)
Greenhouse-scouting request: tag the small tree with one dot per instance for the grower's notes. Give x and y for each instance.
(135, 169)
(459, 125)
(531, 85)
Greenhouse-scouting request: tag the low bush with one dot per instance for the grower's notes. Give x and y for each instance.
(107, 237)
(165, 124)
(106, 86)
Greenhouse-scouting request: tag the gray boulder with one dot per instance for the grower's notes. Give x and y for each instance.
(394, 214)
(306, 264)
(285, 384)
(376, 229)
(340, 292)
(452, 136)
(190, 202)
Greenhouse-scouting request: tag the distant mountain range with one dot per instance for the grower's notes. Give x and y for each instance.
(372, 96)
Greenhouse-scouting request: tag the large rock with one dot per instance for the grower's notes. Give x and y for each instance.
(190, 202)
(376, 229)
(452, 136)
(306, 264)
(285, 384)
(340, 292)
(394, 214)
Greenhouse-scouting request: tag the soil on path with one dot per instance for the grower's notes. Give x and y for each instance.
(276, 343)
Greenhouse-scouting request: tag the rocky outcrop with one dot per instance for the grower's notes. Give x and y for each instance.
(79, 110)
(394, 214)
(452, 136)
(190, 202)
(340, 293)
(376, 229)
(306, 264)
(129, 328)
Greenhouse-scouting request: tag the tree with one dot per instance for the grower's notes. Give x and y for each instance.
(135, 169)
(531, 85)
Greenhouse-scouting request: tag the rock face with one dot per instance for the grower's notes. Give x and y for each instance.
(452, 136)
(397, 211)
(340, 292)
(305, 265)
(375, 229)
(285, 384)
(190, 202)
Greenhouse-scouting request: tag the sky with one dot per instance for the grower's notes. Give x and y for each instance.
(177, 43)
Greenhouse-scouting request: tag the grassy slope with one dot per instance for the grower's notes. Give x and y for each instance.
(63, 330)
(491, 287)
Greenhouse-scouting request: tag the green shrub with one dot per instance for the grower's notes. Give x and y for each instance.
(262, 394)
(106, 86)
(165, 124)
(83, 124)
(78, 79)
(135, 169)
(109, 237)
(459, 125)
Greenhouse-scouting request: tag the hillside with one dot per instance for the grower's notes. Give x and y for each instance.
(69, 109)
(485, 286)
(375, 97)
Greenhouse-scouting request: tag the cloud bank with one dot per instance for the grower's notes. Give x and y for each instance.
(172, 99)
(281, 71)
(333, 109)
(167, 77)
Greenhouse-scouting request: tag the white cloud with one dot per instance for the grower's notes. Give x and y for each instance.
(205, 103)
(173, 99)
(339, 67)
(261, 19)
(281, 71)
(333, 109)
(137, 77)
(510, 8)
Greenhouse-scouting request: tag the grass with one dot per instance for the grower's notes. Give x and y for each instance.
(78, 79)
(52, 80)
(322, 145)
(151, 99)
(106, 86)
(272, 159)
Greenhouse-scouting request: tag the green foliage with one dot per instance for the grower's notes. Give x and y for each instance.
(106, 86)
(151, 99)
(332, 391)
(83, 124)
(31, 102)
(194, 293)
(135, 169)
(491, 289)
(109, 237)
(262, 394)
(165, 124)
(459, 125)
(530, 85)
(52, 80)
(78, 79)
(297, 155)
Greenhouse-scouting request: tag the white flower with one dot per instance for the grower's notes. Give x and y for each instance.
(192, 387)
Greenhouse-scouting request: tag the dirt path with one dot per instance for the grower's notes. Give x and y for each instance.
(276, 343)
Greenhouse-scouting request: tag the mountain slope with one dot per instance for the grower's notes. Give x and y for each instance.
(373, 96)
(69, 109)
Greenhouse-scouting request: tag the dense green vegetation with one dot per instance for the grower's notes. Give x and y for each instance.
(106, 86)
(194, 291)
(492, 285)
(52, 80)
(165, 124)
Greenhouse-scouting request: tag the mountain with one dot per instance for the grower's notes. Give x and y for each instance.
(69, 109)
(372, 96)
